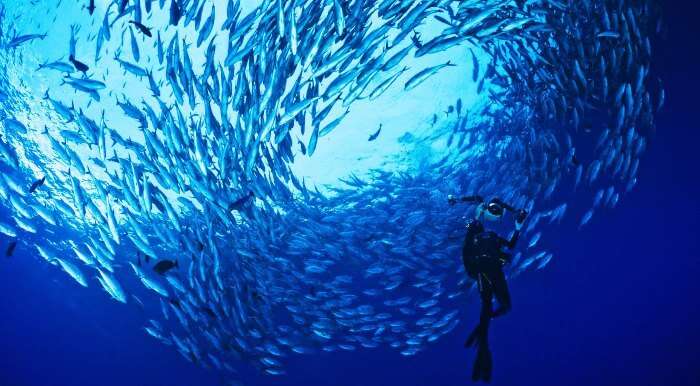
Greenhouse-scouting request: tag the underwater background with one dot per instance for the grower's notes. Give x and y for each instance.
(616, 305)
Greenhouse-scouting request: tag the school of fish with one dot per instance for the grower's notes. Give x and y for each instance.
(192, 210)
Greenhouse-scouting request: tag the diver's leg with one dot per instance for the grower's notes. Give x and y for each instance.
(483, 362)
(486, 295)
(486, 305)
(500, 288)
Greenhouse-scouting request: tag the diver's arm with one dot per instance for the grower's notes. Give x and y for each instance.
(510, 244)
(519, 221)
(475, 198)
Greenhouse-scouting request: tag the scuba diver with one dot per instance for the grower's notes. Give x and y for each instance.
(484, 255)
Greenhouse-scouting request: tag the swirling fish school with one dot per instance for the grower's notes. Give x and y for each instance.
(189, 185)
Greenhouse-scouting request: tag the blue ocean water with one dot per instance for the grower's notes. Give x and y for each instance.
(616, 306)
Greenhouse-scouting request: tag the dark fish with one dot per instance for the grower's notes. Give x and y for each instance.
(37, 184)
(376, 134)
(144, 30)
(240, 202)
(416, 40)
(164, 266)
(91, 7)
(209, 312)
(475, 66)
(11, 248)
(80, 66)
(175, 302)
(175, 12)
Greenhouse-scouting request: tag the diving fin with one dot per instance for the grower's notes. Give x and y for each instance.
(483, 365)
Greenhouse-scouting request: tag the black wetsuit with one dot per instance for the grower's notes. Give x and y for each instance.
(483, 256)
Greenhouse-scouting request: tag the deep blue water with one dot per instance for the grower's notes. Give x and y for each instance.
(619, 305)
